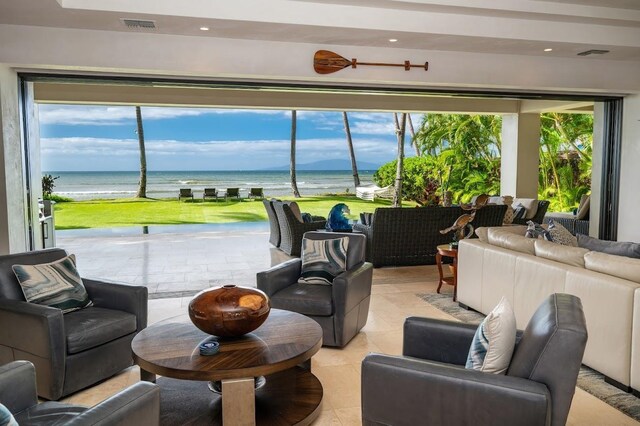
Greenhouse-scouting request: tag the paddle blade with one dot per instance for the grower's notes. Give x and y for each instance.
(327, 62)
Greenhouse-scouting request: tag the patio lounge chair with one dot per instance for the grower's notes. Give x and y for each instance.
(292, 227)
(256, 193)
(372, 192)
(185, 193)
(232, 193)
(210, 193)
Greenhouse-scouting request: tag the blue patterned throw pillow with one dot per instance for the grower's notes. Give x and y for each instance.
(492, 345)
(56, 284)
(6, 418)
(535, 230)
(323, 260)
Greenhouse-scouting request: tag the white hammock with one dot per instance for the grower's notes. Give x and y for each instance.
(372, 192)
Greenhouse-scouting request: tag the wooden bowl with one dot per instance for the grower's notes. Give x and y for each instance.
(229, 311)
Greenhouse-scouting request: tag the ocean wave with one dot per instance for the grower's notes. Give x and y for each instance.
(91, 192)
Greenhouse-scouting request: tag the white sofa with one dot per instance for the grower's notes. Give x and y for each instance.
(502, 262)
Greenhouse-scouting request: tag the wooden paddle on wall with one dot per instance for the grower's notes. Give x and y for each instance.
(327, 62)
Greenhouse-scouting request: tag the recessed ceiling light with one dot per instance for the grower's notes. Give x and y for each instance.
(548, 50)
(204, 28)
(393, 40)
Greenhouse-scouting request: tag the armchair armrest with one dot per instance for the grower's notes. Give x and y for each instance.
(407, 391)
(437, 340)
(122, 297)
(351, 287)
(18, 386)
(138, 405)
(280, 276)
(37, 333)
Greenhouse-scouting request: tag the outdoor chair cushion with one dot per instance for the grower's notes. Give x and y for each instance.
(93, 327)
(305, 299)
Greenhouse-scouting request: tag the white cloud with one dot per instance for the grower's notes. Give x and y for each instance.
(116, 115)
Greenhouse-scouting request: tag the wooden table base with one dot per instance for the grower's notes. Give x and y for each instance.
(290, 397)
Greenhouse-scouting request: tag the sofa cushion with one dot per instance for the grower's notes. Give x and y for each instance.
(323, 260)
(304, 299)
(568, 255)
(617, 266)
(91, 327)
(483, 234)
(295, 209)
(511, 241)
(610, 247)
(493, 343)
(530, 204)
(56, 284)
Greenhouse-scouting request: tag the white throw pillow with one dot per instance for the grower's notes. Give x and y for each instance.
(494, 341)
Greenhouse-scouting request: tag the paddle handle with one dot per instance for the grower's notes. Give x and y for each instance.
(407, 65)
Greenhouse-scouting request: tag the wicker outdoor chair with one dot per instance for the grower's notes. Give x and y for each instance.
(292, 229)
(274, 226)
(410, 236)
(576, 223)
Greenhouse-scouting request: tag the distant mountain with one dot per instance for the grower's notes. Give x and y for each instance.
(329, 165)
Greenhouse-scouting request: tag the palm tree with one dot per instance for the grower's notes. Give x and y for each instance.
(142, 184)
(354, 166)
(400, 131)
(413, 136)
(292, 163)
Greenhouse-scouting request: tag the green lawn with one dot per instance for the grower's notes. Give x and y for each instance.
(139, 212)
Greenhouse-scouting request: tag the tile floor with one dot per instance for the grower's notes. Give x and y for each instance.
(172, 262)
(146, 260)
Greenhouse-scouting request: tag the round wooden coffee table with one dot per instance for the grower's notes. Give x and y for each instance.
(277, 348)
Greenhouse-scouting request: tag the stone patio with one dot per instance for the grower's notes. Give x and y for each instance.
(174, 261)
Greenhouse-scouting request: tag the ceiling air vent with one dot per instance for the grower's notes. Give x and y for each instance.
(593, 52)
(139, 24)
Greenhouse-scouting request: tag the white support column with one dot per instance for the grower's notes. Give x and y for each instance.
(596, 168)
(520, 155)
(13, 216)
(629, 206)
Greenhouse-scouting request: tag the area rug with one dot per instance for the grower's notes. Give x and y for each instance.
(588, 380)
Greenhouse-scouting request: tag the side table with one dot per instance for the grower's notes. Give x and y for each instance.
(445, 250)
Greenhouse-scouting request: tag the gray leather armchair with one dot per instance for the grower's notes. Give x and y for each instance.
(138, 405)
(75, 350)
(341, 309)
(429, 384)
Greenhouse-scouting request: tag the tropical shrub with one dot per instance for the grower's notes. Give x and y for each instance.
(415, 175)
(462, 154)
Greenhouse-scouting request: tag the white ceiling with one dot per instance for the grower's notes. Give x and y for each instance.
(514, 27)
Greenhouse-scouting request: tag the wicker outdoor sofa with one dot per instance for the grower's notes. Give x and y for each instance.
(409, 236)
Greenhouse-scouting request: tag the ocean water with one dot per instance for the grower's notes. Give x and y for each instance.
(107, 185)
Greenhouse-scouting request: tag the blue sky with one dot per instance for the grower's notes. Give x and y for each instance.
(103, 138)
